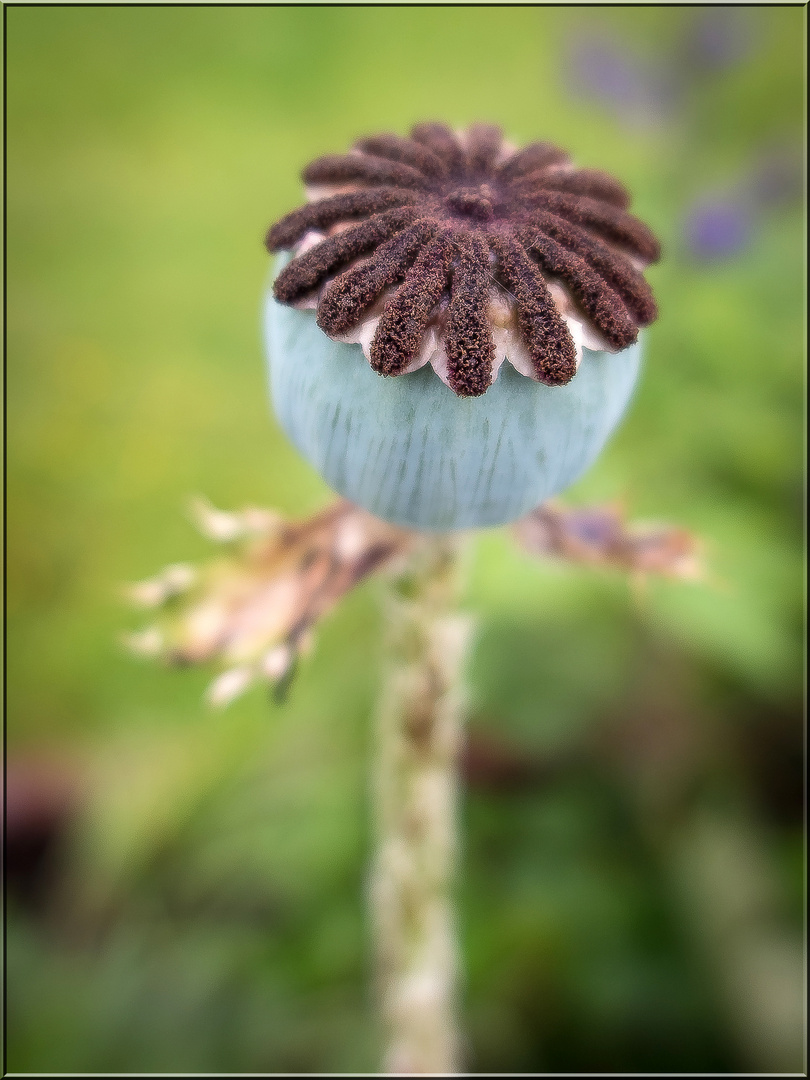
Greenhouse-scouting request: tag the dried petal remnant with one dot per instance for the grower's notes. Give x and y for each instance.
(462, 221)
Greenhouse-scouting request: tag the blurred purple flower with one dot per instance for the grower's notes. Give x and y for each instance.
(778, 178)
(721, 225)
(717, 38)
(638, 92)
(718, 228)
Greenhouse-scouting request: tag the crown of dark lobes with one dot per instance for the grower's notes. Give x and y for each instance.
(432, 223)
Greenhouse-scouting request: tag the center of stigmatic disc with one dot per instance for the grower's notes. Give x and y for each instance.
(472, 202)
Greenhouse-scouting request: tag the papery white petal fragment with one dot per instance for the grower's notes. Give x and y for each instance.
(172, 581)
(276, 663)
(440, 363)
(225, 527)
(228, 686)
(430, 344)
(147, 643)
(214, 524)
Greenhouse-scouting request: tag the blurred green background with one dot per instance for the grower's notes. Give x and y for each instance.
(186, 889)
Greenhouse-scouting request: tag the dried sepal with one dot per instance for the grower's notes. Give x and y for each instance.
(600, 536)
(226, 527)
(171, 582)
(252, 610)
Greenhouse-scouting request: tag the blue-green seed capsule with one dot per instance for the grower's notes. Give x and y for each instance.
(454, 329)
(414, 453)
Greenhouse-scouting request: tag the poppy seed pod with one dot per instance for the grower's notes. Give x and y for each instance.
(453, 332)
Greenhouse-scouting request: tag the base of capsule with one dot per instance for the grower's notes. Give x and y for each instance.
(410, 451)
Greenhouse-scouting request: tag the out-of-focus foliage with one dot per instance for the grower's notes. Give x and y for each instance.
(187, 888)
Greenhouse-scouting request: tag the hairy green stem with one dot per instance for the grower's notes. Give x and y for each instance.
(415, 787)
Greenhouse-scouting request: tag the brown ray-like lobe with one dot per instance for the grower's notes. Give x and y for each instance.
(601, 218)
(600, 302)
(424, 234)
(532, 158)
(317, 264)
(349, 295)
(401, 329)
(406, 151)
(469, 346)
(589, 182)
(363, 169)
(484, 142)
(442, 141)
(327, 212)
(548, 340)
(614, 268)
